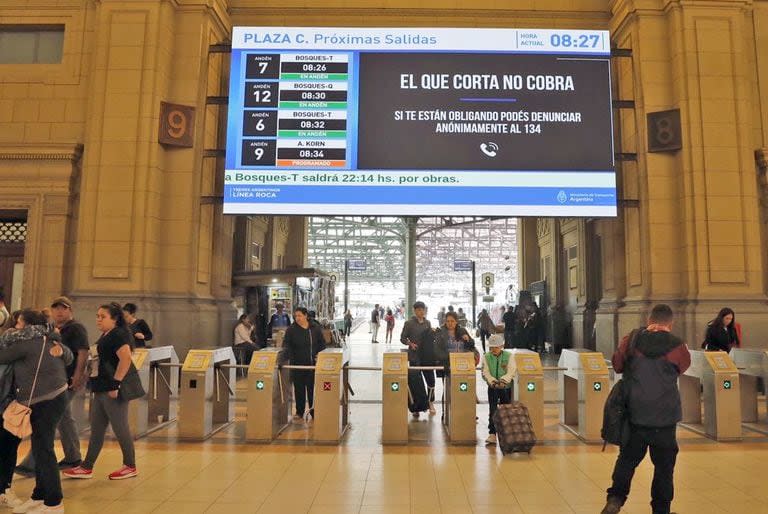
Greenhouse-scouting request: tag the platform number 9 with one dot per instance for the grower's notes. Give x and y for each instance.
(258, 153)
(177, 124)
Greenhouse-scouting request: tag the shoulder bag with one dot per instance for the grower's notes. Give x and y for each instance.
(16, 417)
(130, 386)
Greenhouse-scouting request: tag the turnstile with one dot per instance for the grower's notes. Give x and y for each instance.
(157, 408)
(331, 403)
(268, 397)
(713, 377)
(394, 396)
(529, 387)
(461, 399)
(206, 400)
(753, 368)
(584, 387)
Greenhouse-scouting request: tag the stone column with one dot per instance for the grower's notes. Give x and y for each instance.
(694, 240)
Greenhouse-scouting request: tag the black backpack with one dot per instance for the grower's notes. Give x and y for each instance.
(615, 428)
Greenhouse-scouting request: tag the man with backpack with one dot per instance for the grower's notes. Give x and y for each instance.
(651, 360)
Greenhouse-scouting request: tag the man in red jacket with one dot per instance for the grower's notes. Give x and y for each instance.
(651, 369)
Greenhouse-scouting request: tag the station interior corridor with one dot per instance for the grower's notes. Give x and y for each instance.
(429, 476)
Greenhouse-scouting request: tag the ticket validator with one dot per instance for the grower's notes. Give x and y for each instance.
(461, 399)
(584, 387)
(753, 371)
(206, 399)
(528, 388)
(331, 403)
(714, 379)
(394, 395)
(268, 397)
(157, 408)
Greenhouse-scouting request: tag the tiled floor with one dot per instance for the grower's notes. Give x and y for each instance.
(223, 475)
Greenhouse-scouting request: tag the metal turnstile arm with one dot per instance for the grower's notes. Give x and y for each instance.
(229, 387)
(167, 384)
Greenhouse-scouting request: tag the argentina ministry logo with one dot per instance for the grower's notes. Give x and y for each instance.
(562, 197)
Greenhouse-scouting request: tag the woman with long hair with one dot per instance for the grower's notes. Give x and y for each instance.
(723, 333)
(107, 408)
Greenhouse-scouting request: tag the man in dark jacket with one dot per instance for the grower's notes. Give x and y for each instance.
(303, 341)
(415, 336)
(651, 370)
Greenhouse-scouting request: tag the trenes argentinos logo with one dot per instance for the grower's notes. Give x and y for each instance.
(562, 197)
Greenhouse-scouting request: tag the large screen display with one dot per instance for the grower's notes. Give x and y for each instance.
(439, 122)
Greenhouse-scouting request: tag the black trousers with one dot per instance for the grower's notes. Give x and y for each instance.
(496, 397)
(483, 336)
(9, 446)
(303, 389)
(45, 418)
(662, 443)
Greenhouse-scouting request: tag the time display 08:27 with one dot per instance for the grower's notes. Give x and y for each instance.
(579, 41)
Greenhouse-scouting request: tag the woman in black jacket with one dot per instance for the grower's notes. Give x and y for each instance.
(32, 344)
(722, 332)
(452, 338)
(137, 327)
(303, 341)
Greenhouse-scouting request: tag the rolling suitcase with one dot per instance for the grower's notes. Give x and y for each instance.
(514, 430)
(418, 401)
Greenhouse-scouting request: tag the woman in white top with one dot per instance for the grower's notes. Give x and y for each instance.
(243, 342)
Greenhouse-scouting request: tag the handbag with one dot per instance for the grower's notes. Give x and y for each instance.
(17, 416)
(130, 387)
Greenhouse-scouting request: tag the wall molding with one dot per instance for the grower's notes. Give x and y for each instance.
(52, 152)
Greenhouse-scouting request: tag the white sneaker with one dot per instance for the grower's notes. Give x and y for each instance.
(491, 439)
(416, 415)
(27, 506)
(432, 409)
(40, 509)
(9, 499)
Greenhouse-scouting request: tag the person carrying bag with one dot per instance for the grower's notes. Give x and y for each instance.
(16, 416)
(114, 383)
(40, 380)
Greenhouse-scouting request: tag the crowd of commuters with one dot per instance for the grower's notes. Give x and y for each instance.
(45, 360)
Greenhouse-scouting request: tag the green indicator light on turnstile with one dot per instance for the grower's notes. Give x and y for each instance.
(463, 387)
(597, 386)
(531, 386)
(395, 386)
(259, 385)
(727, 384)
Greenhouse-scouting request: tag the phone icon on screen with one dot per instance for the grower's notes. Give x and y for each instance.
(489, 149)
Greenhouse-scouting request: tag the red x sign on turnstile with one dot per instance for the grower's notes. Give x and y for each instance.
(327, 386)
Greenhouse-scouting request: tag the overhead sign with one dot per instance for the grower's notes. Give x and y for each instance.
(420, 121)
(357, 265)
(462, 265)
(487, 279)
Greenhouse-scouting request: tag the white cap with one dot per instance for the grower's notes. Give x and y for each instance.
(496, 340)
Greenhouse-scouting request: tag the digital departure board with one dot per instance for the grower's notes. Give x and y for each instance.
(447, 122)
